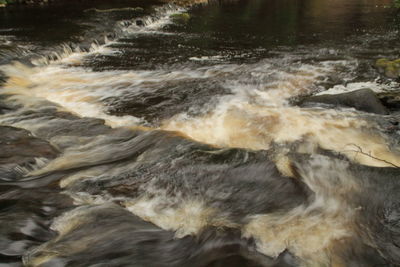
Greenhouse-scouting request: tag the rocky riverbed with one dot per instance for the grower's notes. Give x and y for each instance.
(233, 133)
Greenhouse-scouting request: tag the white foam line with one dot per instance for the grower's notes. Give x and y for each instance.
(350, 87)
(75, 56)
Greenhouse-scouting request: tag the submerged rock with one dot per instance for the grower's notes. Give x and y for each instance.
(391, 100)
(140, 23)
(363, 100)
(123, 239)
(25, 218)
(163, 101)
(390, 68)
(20, 150)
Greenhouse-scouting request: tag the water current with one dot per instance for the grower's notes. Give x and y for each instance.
(143, 133)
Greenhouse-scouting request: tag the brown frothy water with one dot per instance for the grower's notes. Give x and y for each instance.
(257, 127)
(238, 177)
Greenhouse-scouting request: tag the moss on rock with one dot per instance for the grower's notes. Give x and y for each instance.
(391, 68)
(180, 17)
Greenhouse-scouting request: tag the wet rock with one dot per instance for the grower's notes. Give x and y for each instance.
(73, 127)
(157, 103)
(211, 174)
(19, 151)
(6, 105)
(62, 123)
(4, 108)
(123, 239)
(180, 17)
(139, 23)
(18, 143)
(391, 100)
(363, 100)
(389, 68)
(25, 219)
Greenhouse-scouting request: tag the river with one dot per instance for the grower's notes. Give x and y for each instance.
(143, 133)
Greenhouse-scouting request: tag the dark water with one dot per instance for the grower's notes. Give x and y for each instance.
(139, 133)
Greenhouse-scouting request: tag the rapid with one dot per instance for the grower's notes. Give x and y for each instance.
(143, 133)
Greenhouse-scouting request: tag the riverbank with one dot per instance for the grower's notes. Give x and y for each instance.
(4, 3)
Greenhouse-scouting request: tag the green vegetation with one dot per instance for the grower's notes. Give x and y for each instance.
(5, 2)
(391, 68)
(180, 17)
(397, 3)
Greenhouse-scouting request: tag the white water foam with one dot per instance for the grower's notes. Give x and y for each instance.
(153, 24)
(350, 87)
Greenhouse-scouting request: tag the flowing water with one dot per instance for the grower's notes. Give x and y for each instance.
(140, 133)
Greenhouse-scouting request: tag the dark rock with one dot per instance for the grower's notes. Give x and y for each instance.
(19, 149)
(18, 143)
(25, 219)
(363, 100)
(73, 127)
(391, 100)
(122, 239)
(163, 101)
(5, 106)
(140, 23)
